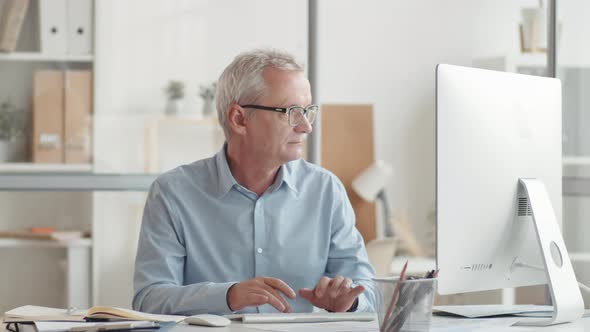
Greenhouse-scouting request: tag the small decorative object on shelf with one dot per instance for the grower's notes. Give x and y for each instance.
(208, 94)
(175, 93)
(533, 30)
(13, 128)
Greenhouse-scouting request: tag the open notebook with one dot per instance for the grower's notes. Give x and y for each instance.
(31, 313)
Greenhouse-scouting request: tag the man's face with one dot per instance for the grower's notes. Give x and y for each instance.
(269, 133)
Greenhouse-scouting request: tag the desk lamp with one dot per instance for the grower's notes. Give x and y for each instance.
(370, 186)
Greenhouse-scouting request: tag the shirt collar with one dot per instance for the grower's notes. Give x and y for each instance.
(226, 180)
(286, 175)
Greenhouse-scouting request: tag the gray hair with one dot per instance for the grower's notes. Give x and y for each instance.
(242, 82)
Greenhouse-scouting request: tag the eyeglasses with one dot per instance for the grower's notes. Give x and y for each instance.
(296, 114)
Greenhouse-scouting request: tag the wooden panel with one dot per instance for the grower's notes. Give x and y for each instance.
(347, 150)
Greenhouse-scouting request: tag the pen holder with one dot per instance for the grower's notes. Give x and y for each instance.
(412, 304)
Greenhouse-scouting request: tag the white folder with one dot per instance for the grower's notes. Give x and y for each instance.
(53, 25)
(80, 31)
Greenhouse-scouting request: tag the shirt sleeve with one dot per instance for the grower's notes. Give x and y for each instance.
(347, 255)
(159, 266)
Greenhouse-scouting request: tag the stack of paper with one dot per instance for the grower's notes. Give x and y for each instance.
(90, 327)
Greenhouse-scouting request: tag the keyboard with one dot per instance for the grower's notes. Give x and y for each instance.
(307, 317)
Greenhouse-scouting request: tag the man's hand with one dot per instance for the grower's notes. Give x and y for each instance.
(332, 294)
(259, 291)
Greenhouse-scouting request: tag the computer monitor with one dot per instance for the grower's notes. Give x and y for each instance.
(498, 186)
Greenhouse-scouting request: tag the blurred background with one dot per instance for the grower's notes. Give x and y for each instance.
(99, 97)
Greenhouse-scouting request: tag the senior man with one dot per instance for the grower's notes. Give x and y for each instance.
(244, 229)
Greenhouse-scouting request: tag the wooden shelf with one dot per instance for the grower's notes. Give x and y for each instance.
(44, 168)
(537, 59)
(75, 181)
(575, 161)
(582, 257)
(40, 57)
(24, 243)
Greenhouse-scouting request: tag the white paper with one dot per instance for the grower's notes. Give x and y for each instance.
(319, 327)
(448, 324)
(475, 311)
(66, 326)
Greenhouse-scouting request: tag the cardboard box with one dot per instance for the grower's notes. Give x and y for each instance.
(347, 150)
(48, 120)
(78, 117)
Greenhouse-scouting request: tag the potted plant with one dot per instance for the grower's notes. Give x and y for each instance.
(175, 92)
(12, 133)
(207, 92)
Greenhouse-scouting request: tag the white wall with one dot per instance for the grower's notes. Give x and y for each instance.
(379, 52)
(140, 45)
(385, 52)
(575, 52)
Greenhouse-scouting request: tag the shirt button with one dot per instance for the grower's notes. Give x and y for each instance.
(259, 250)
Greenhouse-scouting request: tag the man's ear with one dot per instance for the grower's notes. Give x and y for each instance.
(236, 119)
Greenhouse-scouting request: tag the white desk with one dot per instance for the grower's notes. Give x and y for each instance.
(578, 326)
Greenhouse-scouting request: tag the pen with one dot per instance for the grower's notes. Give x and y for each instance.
(393, 298)
(115, 326)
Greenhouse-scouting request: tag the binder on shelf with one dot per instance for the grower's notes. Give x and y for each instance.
(53, 26)
(78, 116)
(79, 25)
(12, 15)
(48, 119)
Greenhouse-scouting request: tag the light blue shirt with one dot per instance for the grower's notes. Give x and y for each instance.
(202, 232)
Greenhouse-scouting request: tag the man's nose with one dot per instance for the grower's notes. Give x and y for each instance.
(304, 126)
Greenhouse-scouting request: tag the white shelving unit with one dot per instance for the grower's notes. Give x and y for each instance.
(24, 243)
(576, 173)
(21, 183)
(513, 63)
(576, 161)
(583, 257)
(40, 168)
(76, 268)
(40, 57)
(75, 182)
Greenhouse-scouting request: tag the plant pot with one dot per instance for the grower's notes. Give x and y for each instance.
(208, 108)
(173, 107)
(12, 150)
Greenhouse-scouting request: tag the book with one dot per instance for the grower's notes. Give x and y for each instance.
(31, 313)
(12, 15)
(114, 313)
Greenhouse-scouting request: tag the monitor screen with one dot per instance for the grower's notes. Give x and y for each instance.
(492, 129)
